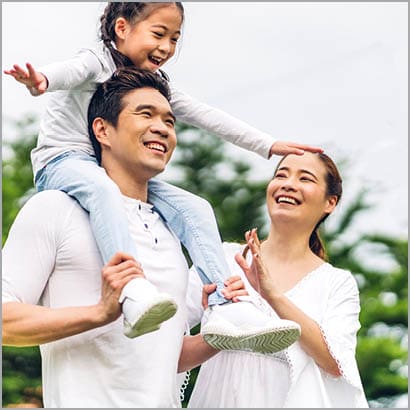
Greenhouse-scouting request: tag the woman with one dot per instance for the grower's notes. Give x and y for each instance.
(290, 279)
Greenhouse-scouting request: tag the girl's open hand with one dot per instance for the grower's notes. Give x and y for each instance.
(35, 81)
(285, 148)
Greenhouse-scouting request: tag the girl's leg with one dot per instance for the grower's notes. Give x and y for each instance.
(193, 221)
(225, 326)
(81, 177)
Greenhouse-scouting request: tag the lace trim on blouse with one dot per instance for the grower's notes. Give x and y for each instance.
(291, 376)
(184, 385)
(307, 277)
(339, 366)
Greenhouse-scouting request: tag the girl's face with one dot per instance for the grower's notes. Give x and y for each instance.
(151, 42)
(298, 191)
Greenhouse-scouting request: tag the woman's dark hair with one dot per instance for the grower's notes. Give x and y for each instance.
(333, 188)
(107, 101)
(133, 13)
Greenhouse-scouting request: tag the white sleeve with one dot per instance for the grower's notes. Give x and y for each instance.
(194, 298)
(341, 324)
(29, 253)
(83, 67)
(193, 112)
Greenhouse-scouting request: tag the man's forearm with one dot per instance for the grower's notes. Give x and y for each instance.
(194, 352)
(29, 325)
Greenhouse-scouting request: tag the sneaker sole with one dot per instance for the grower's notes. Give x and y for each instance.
(267, 342)
(152, 319)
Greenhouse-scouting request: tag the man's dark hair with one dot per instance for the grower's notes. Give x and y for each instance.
(107, 101)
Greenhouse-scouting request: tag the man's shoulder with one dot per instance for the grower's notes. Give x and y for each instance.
(50, 202)
(53, 213)
(48, 213)
(51, 197)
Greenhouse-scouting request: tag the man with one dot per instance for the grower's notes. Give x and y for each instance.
(53, 292)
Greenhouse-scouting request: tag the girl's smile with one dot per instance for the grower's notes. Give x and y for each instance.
(151, 42)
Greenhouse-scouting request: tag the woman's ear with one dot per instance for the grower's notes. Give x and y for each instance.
(331, 204)
(121, 27)
(101, 132)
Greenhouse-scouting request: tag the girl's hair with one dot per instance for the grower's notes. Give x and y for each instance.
(133, 13)
(333, 187)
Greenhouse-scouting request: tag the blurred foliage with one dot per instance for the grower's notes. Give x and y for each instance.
(204, 167)
(21, 366)
(207, 171)
(17, 174)
(382, 351)
(22, 376)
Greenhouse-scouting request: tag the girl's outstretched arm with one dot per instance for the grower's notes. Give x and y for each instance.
(194, 112)
(85, 66)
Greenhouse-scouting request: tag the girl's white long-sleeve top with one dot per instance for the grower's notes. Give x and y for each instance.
(71, 84)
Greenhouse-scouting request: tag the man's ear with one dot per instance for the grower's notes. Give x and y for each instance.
(121, 27)
(101, 132)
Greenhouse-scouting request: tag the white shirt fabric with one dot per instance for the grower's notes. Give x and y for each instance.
(71, 86)
(51, 259)
(289, 378)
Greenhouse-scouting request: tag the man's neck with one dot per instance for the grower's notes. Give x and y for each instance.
(135, 191)
(130, 186)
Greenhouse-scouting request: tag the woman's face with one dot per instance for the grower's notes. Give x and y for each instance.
(297, 191)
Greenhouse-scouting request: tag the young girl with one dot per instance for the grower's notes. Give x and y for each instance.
(144, 35)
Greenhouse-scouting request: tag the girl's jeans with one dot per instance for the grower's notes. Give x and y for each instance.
(190, 217)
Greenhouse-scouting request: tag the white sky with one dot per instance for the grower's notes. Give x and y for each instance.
(333, 74)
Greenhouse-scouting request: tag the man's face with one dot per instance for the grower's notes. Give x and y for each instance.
(144, 138)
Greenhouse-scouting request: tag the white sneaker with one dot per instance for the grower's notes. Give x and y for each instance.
(242, 326)
(144, 308)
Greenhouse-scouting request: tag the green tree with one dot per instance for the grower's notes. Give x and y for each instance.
(382, 351)
(21, 376)
(206, 170)
(21, 366)
(17, 174)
